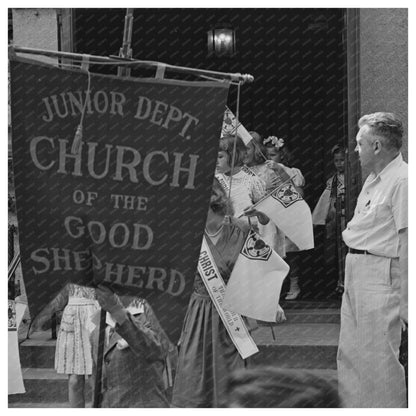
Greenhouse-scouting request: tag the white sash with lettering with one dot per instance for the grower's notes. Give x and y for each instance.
(223, 182)
(233, 322)
(249, 171)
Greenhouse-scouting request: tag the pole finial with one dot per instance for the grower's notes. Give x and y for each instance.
(247, 78)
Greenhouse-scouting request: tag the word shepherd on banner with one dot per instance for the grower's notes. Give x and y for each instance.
(232, 321)
(128, 207)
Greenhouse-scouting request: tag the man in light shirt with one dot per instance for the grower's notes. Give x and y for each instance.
(374, 304)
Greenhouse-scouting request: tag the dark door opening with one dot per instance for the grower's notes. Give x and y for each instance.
(299, 60)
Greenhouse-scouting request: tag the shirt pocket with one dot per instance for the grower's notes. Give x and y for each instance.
(382, 211)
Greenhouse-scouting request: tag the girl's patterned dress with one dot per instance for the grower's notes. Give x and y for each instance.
(73, 348)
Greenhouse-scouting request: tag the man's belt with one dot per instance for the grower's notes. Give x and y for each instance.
(355, 251)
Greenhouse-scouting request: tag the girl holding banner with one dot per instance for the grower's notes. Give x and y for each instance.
(136, 353)
(207, 353)
(246, 187)
(255, 162)
(279, 160)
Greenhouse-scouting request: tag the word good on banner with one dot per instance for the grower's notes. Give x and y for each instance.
(128, 208)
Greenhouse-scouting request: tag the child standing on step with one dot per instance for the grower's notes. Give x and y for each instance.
(73, 354)
(330, 211)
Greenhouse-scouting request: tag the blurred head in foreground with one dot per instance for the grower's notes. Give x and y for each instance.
(263, 387)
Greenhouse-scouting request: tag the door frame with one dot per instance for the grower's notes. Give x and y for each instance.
(353, 178)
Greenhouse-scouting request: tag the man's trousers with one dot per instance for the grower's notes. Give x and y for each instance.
(369, 371)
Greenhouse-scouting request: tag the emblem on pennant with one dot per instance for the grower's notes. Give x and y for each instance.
(229, 123)
(255, 248)
(286, 194)
(230, 126)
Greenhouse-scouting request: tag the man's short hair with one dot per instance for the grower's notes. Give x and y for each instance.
(385, 125)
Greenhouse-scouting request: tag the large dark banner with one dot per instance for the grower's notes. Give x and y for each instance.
(129, 208)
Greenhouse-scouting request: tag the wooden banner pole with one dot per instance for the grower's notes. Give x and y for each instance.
(100, 359)
(131, 63)
(126, 50)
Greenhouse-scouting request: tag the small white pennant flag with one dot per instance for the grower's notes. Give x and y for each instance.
(289, 211)
(256, 281)
(321, 209)
(229, 125)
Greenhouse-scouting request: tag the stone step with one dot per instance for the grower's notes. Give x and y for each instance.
(33, 405)
(317, 316)
(313, 316)
(310, 304)
(297, 345)
(44, 385)
(46, 389)
(287, 345)
(38, 351)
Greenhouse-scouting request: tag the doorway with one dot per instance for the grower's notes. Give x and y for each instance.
(298, 58)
